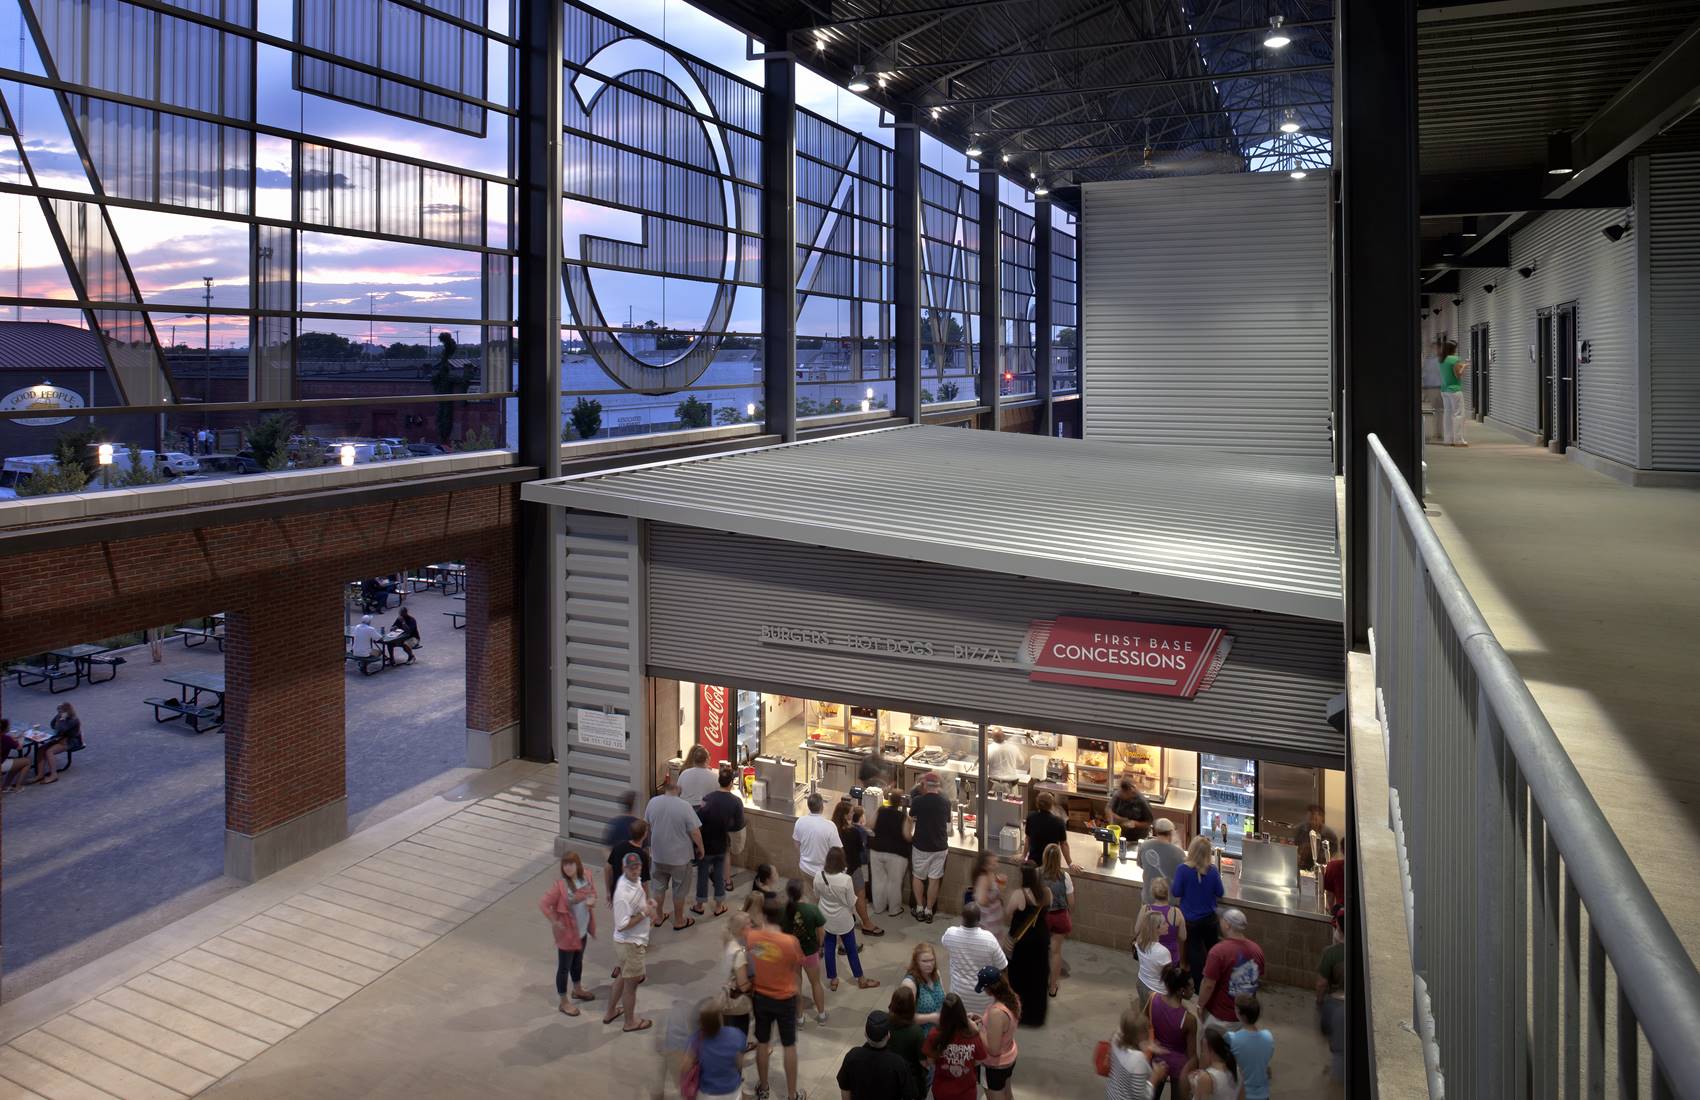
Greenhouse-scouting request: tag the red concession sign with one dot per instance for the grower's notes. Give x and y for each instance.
(714, 721)
(1154, 658)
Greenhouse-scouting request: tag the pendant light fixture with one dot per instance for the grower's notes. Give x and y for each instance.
(1297, 174)
(1277, 36)
(1290, 122)
(858, 80)
(1559, 160)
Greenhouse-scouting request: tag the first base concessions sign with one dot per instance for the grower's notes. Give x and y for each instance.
(1150, 658)
(1153, 658)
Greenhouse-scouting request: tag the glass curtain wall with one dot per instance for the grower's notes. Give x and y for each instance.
(1065, 308)
(1018, 312)
(950, 275)
(255, 230)
(661, 223)
(845, 311)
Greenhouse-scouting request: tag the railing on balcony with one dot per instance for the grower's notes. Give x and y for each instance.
(1544, 967)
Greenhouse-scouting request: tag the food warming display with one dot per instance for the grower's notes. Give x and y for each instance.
(1227, 799)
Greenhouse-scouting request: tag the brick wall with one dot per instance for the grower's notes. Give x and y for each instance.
(492, 637)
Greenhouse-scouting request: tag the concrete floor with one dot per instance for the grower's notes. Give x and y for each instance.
(1593, 588)
(132, 837)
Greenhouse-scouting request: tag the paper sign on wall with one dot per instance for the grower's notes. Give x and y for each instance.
(596, 730)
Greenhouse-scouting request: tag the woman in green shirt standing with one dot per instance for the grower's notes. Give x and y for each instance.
(1452, 370)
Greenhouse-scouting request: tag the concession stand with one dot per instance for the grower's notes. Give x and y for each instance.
(1018, 614)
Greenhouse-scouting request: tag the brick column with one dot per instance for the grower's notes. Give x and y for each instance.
(492, 657)
(285, 784)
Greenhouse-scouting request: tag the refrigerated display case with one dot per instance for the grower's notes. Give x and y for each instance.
(1227, 795)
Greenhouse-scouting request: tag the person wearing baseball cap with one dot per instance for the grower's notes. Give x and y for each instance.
(873, 1071)
(1233, 970)
(930, 811)
(633, 916)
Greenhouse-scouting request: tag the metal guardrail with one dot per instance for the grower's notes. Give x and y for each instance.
(1545, 967)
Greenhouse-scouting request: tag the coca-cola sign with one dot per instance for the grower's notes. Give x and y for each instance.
(1154, 658)
(714, 721)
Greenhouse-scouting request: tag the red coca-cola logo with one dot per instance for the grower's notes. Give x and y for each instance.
(714, 720)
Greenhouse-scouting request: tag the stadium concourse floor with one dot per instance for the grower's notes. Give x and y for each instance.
(410, 961)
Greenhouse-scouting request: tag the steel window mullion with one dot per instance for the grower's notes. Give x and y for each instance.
(245, 406)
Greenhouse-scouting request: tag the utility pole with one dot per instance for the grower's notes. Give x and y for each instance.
(371, 318)
(206, 350)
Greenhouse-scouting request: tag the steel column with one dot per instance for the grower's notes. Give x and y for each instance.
(539, 358)
(1377, 142)
(779, 247)
(1042, 349)
(906, 260)
(991, 301)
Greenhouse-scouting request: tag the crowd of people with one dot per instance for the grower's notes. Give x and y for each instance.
(1192, 1026)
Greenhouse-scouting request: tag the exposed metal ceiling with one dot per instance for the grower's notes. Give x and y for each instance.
(1079, 90)
(1186, 523)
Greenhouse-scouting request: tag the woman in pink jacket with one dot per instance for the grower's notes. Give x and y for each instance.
(570, 906)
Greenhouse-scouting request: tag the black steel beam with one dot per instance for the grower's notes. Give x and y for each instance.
(541, 30)
(1663, 93)
(1042, 323)
(958, 8)
(779, 247)
(1440, 11)
(910, 66)
(1377, 145)
(1134, 85)
(991, 299)
(1490, 253)
(906, 262)
(1461, 195)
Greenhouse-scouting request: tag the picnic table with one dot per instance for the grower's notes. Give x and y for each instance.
(85, 656)
(41, 741)
(195, 714)
(450, 576)
(49, 667)
(381, 654)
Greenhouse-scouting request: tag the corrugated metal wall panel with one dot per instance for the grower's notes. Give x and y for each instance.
(1673, 263)
(1206, 313)
(1573, 262)
(709, 593)
(604, 669)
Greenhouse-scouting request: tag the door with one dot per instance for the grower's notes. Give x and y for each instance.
(1481, 349)
(1543, 374)
(1565, 379)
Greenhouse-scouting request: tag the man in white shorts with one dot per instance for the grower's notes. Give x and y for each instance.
(931, 813)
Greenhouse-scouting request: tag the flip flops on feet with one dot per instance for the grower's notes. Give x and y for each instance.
(688, 922)
(583, 995)
(641, 1025)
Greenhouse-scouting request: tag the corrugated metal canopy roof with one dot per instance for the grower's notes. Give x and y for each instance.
(1191, 524)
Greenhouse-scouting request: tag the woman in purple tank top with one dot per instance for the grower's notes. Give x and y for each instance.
(1174, 927)
(1173, 1028)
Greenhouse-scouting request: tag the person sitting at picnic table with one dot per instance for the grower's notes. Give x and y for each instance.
(404, 633)
(67, 735)
(375, 593)
(365, 638)
(14, 758)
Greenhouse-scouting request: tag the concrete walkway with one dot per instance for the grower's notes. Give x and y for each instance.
(1593, 588)
(410, 961)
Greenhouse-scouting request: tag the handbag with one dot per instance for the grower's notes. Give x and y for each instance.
(690, 1079)
(735, 842)
(1101, 1058)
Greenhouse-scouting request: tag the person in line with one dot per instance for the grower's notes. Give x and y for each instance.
(1132, 1074)
(1234, 970)
(985, 889)
(1254, 1050)
(735, 1003)
(930, 811)
(1331, 1005)
(814, 835)
(837, 894)
(923, 977)
(775, 956)
(890, 854)
(636, 843)
(1196, 886)
(1452, 371)
(1059, 919)
(719, 1050)
(873, 1071)
(405, 634)
(1030, 947)
(909, 1036)
(1158, 856)
(1044, 828)
(1130, 810)
(803, 922)
(570, 906)
(853, 842)
(998, 1028)
(697, 779)
(1173, 937)
(1218, 1074)
(675, 840)
(721, 814)
(955, 1048)
(1331, 967)
(1175, 1030)
(1334, 879)
(617, 832)
(972, 949)
(634, 915)
(364, 639)
(1315, 825)
(1153, 957)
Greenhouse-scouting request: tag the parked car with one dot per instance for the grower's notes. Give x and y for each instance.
(177, 464)
(230, 464)
(424, 450)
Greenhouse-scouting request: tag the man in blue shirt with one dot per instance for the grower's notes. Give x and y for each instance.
(1254, 1050)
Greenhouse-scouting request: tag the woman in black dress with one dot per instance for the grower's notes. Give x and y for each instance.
(1030, 946)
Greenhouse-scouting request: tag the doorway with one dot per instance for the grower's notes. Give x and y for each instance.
(1481, 350)
(1543, 374)
(1565, 379)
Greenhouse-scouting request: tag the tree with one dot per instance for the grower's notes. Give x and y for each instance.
(587, 418)
(481, 440)
(269, 440)
(77, 447)
(61, 477)
(140, 473)
(1065, 338)
(693, 413)
(325, 345)
(948, 391)
(446, 379)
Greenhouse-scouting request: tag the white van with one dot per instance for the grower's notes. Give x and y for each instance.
(17, 471)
